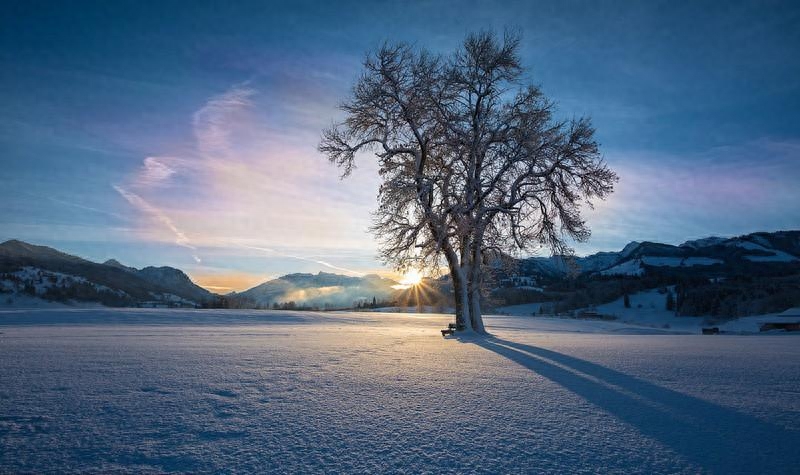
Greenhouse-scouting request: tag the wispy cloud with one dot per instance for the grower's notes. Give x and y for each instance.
(247, 182)
(155, 171)
(213, 123)
(725, 191)
(80, 206)
(145, 207)
(302, 258)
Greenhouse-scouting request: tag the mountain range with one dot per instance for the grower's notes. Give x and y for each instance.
(712, 253)
(43, 272)
(40, 271)
(718, 277)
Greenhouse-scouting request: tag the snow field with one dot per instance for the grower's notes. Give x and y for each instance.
(208, 391)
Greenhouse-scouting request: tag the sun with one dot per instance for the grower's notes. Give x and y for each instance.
(412, 278)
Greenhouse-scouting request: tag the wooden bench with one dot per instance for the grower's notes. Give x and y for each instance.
(452, 328)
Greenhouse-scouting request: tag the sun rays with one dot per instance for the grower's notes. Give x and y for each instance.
(415, 290)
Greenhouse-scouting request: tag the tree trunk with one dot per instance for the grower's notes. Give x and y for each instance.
(461, 295)
(461, 292)
(475, 311)
(460, 284)
(475, 282)
(466, 317)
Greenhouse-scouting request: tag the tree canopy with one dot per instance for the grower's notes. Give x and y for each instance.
(473, 162)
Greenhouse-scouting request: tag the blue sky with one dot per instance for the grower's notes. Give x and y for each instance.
(184, 133)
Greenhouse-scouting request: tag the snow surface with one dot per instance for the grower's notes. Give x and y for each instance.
(632, 267)
(140, 390)
(774, 254)
(629, 248)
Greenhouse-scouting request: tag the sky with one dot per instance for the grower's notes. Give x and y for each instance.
(185, 133)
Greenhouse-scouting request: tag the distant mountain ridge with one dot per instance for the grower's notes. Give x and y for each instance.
(320, 289)
(716, 277)
(41, 271)
(761, 247)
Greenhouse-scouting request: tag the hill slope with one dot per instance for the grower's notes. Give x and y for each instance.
(45, 272)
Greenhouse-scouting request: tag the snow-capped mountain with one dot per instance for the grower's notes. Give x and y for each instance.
(320, 289)
(43, 272)
(782, 247)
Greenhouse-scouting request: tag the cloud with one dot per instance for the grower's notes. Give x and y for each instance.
(139, 203)
(253, 181)
(302, 258)
(80, 206)
(155, 171)
(224, 282)
(246, 181)
(670, 198)
(213, 122)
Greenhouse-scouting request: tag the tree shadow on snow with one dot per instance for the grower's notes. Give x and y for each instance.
(714, 437)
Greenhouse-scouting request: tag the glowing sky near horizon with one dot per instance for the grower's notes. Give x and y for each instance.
(185, 134)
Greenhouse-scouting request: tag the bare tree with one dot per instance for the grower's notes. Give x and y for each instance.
(473, 163)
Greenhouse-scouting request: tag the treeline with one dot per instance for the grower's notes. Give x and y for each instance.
(83, 291)
(695, 294)
(516, 296)
(738, 296)
(292, 305)
(239, 302)
(572, 294)
(374, 303)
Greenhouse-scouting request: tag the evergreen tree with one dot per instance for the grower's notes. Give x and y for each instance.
(670, 304)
